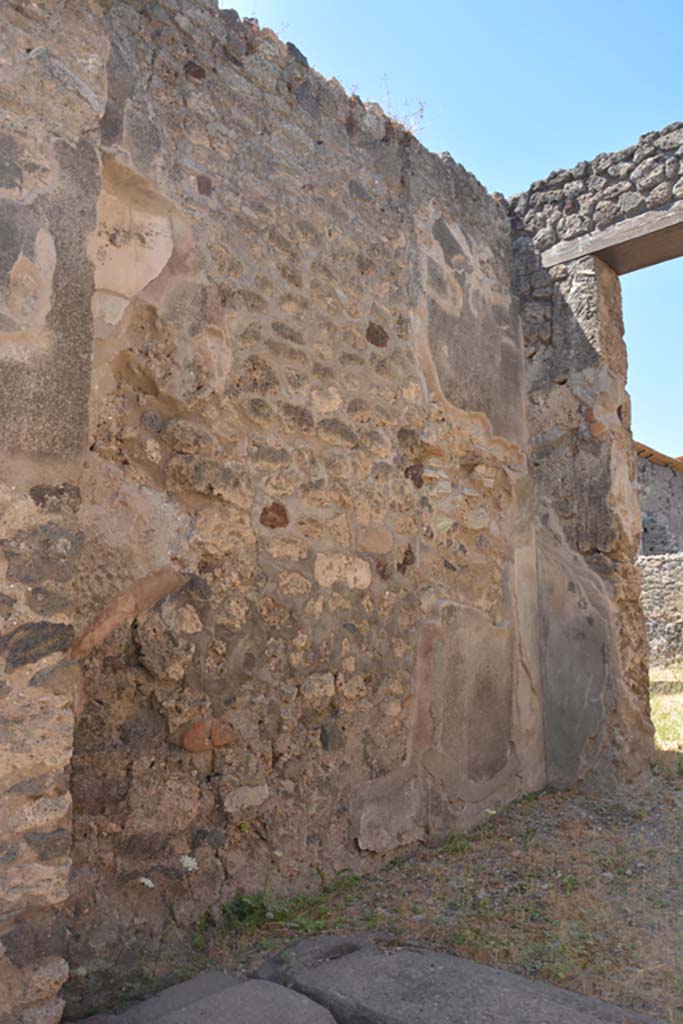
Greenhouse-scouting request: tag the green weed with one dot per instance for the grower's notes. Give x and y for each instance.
(455, 843)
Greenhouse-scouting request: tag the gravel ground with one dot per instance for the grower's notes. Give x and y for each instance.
(582, 891)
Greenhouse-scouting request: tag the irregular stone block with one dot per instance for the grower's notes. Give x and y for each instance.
(34, 641)
(244, 798)
(222, 733)
(47, 602)
(46, 552)
(389, 812)
(375, 539)
(48, 784)
(65, 677)
(35, 936)
(195, 738)
(11, 175)
(250, 1002)
(376, 334)
(62, 498)
(331, 736)
(341, 568)
(49, 845)
(175, 999)
(274, 516)
(405, 986)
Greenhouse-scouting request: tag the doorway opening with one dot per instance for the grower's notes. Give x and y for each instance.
(652, 306)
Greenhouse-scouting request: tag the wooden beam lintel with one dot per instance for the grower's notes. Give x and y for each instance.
(638, 242)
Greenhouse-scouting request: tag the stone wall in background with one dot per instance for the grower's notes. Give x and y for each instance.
(660, 491)
(663, 606)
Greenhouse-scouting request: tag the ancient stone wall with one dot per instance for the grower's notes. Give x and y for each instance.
(660, 492)
(272, 539)
(611, 188)
(589, 522)
(49, 180)
(662, 599)
(295, 542)
(40, 693)
(585, 467)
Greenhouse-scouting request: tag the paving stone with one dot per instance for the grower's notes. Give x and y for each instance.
(216, 998)
(361, 984)
(177, 997)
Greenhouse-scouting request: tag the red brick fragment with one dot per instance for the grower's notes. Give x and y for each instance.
(594, 425)
(222, 733)
(195, 738)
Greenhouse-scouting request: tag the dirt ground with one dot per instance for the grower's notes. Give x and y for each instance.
(583, 891)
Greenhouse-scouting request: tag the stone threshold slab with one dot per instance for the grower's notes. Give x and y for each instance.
(360, 983)
(217, 998)
(351, 980)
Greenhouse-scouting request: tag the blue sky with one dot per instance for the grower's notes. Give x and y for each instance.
(514, 90)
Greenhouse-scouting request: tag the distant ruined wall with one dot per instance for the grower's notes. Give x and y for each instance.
(660, 490)
(269, 383)
(662, 600)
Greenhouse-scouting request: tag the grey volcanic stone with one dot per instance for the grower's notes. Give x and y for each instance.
(217, 998)
(409, 986)
(55, 499)
(177, 997)
(45, 552)
(33, 641)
